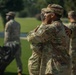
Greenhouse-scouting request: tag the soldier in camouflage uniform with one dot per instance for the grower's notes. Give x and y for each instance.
(52, 38)
(72, 26)
(35, 60)
(54, 65)
(12, 33)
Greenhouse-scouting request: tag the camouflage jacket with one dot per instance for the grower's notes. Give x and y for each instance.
(72, 26)
(12, 31)
(37, 47)
(54, 32)
(48, 34)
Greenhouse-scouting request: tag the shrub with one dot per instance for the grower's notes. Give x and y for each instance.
(22, 14)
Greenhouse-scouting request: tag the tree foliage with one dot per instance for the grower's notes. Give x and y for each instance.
(70, 5)
(10, 5)
(33, 7)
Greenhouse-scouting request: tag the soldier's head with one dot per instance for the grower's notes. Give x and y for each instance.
(72, 16)
(53, 11)
(10, 15)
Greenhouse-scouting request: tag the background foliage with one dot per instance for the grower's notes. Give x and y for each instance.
(30, 8)
(33, 7)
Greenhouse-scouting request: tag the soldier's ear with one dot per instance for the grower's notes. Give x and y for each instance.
(52, 15)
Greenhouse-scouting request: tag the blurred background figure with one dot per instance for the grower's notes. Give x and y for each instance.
(72, 26)
(12, 33)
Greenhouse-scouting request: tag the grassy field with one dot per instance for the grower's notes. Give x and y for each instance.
(27, 24)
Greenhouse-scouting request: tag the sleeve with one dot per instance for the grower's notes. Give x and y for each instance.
(68, 31)
(42, 35)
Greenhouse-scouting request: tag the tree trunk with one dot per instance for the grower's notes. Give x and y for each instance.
(3, 15)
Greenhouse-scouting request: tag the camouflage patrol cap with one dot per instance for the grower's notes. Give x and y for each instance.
(54, 8)
(11, 13)
(46, 10)
(42, 10)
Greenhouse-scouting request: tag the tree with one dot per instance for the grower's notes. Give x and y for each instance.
(10, 5)
(30, 7)
(33, 7)
(70, 5)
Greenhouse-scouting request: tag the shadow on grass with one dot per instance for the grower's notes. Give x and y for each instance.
(10, 73)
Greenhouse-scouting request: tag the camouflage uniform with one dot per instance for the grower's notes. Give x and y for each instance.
(53, 39)
(35, 59)
(45, 36)
(72, 51)
(72, 26)
(12, 33)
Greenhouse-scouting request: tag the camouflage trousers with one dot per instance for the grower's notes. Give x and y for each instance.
(18, 59)
(73, 62)
(17, 56)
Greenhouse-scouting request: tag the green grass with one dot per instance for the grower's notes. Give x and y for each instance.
(1, 25)
(27, 24)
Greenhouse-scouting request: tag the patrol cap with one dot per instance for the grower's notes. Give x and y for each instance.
(46, 9)
(10, 13)
(55, 8)
(42, 10)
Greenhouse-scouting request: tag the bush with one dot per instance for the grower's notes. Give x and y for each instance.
(22, 14)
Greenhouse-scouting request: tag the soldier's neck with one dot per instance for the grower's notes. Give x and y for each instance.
(72, 20)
